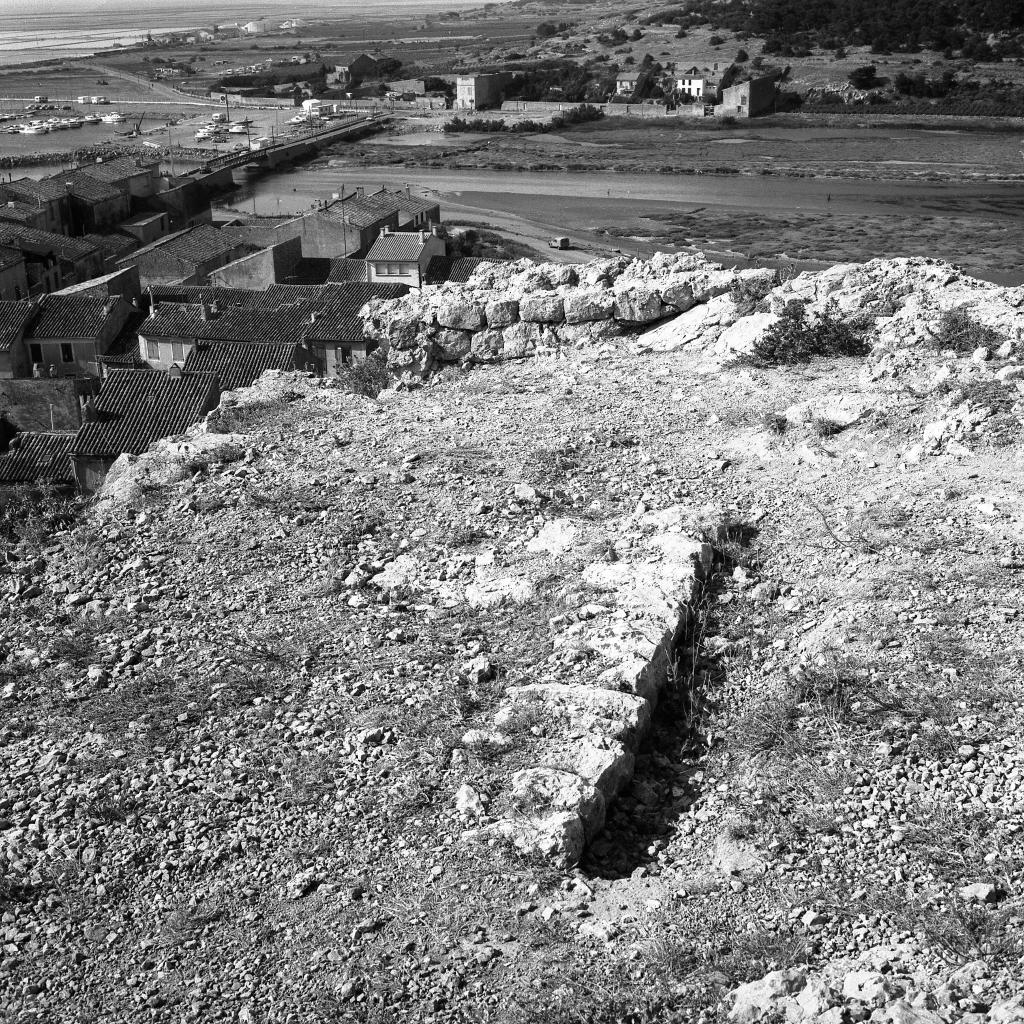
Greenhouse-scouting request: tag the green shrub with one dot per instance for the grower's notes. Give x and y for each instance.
(959, 331)
(796, 339)
(371, 376)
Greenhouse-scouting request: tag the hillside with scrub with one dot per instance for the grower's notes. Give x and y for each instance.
(635, 642)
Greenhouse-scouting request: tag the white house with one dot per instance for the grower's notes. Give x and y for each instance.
(626, 83)
(401, 257)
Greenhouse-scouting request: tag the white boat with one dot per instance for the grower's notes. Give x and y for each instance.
(91, 119)
(238, 129)
(112, 118)
(34, 129)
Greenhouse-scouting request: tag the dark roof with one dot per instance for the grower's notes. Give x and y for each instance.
(18, 211)
(173, 320)
(335, 324)
(67, 248)
(238, 363)
(184, 293)
(349, 296)
(72, 316)
(409, 203)
(194, 245)
(113, 246)
(137, 407)
(347, 270)
(116, 170)
(13, 318)
(90, 189)
(42, 456)
(355, 210)
(457, 269)
(10, 257)
(34, 190)
(400, 246)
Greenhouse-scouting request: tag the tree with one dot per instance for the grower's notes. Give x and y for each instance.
(742, 57)
(864, 77)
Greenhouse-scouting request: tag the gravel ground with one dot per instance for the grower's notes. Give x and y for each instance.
(231, 757)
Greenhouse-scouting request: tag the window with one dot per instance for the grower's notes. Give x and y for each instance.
(152, 349)
(35, 353)
(67, 353)
(178, 351)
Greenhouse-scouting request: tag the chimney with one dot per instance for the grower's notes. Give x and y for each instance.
(173, 373)
(423, 237)
(314, 316)
(89, 413)
(205, 311)
(360, 191)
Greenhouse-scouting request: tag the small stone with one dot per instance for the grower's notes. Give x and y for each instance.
(982, 892)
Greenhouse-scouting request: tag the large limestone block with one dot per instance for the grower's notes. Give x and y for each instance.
(741, 336)
(521, 339)
(542, 309)
(581, 709)
(680, 296)
(638, 305)
(501, 312)
(452, 345)
(487, 345)
(539, 791)
(587, 305)
(462, 314)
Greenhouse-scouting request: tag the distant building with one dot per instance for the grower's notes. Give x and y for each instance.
(256, 28)
(133, 409)
(351, 69)
(95, 205)
(402, 257)
(748, 99)
(626, 83)
(477, 92)
(700, 85)
(48, 196)
(71, 332)
(15, 318)
(186, 257)
(13, 274)
(52, 260)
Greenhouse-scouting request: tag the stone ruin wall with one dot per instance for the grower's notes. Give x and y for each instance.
(511, 311)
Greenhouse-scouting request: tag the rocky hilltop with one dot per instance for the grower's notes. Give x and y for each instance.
(649, 652)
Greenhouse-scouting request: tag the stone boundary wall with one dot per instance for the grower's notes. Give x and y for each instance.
(594, 724)
(516, 310)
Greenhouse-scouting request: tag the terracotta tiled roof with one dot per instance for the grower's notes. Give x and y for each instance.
(14, 316)
(10, 257)
(347, 270)
(116, 170)
(71, 249)
(407, 203)
(72, 316)
(90, 189)
(17, 211)
(137, 407)
(453, 268)
(42, 456)
(348, 296)
(193, 245)
(112, 246)
(33, 191)
(247, 323)
(396, 247)
(238, 363)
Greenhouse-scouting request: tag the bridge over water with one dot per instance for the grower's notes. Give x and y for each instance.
(296, 146)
